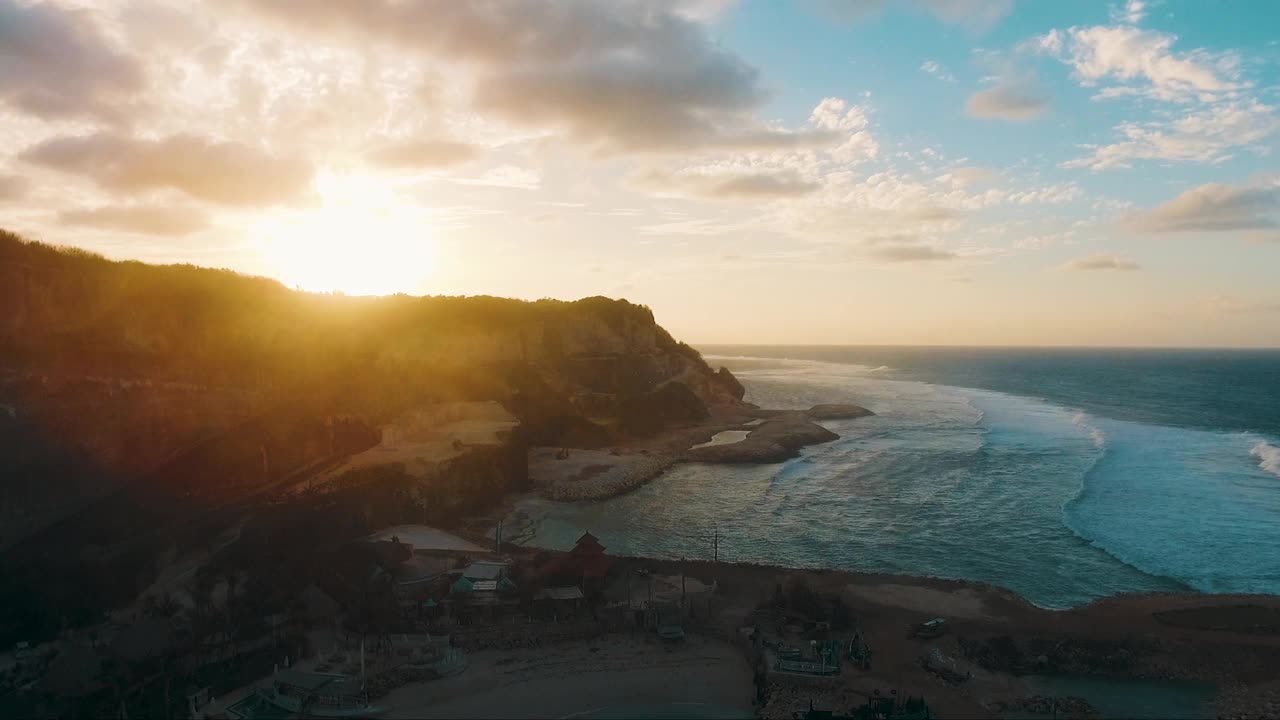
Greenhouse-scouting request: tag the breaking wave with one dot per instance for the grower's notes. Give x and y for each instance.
(1268, 457)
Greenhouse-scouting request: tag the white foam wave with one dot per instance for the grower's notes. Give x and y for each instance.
(1268, 457)
(882, 368)
(1099, 438)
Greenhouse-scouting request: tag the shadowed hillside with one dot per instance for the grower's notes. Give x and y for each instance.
(147, 407)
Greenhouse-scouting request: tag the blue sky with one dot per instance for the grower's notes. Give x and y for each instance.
(819, 171)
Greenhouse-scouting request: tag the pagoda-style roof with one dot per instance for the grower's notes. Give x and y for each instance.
(588, 545)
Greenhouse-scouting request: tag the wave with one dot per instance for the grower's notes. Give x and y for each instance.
(1268, 457)
(1095, 433)
(882, 368)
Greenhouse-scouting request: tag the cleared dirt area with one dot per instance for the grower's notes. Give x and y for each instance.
(585, 678)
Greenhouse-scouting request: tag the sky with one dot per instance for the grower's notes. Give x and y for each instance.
(937, 172)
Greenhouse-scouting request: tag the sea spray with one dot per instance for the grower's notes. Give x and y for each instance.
(1268, 457)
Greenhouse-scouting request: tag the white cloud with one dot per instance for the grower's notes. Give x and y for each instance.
(938, 71)
(504, 176)
(856, 143)
(1144, 59)
(1204, 136)
(1059, 194)
(962, 177)
(1132, 12)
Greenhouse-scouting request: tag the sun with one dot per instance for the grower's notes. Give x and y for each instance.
(361, 240)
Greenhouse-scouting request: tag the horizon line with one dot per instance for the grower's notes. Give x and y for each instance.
(987, 347)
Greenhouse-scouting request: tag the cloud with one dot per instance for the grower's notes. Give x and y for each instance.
(13, 187)
(146, 219)
(55, 63)
(1142, 58)
(759, 185)
(963, 177)
(1101, 262)
(1204, 136)
(974, 14)
(1007, 101)
(910, 253)
(1059, 194)
(938, 71)
(230, 173)
(580, 68)
(689, 227)
(504, 176)
(1132, 13)
(421, 154)
(1212, 208)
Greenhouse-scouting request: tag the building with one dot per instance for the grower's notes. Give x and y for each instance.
(586, 564)
(558, 602)
(483, 591)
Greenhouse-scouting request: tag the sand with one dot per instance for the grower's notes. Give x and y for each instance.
(422, 537)
(963, 602)
(726, 437)
(583, 677)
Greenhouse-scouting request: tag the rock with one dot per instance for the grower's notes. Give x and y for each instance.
(835, 411)
(775, 440)
(731, 383)
(647, 413)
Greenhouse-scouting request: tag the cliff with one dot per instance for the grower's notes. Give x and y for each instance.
(174, 399)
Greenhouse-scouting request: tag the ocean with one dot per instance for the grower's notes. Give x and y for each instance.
(1061, 474)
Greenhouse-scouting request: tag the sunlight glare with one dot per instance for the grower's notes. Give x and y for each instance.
(361, 240)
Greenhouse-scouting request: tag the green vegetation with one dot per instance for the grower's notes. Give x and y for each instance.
(74, 312)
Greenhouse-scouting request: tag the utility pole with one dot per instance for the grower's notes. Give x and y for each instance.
(498, 536)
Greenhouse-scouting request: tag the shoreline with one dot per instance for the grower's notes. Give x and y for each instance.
(772, 436)
(481, 529)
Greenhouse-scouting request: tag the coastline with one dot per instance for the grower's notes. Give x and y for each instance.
(771, 436)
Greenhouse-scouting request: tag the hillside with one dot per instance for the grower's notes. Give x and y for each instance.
(164, 402)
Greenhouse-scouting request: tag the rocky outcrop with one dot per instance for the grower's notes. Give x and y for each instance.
(837, 412)
(775, 440)
(731, 383)
(647, 413)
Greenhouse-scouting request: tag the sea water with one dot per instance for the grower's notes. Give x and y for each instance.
(1063, 475)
